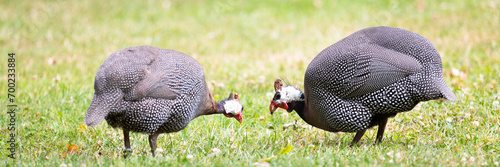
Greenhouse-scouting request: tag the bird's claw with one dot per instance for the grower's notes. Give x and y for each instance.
(127, 152)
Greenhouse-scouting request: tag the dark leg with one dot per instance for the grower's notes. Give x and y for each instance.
(126, 139)
(381, 128)
(152, 142)
(358, 136)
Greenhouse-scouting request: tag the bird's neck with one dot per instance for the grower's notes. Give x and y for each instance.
(298, 106)
(307, 115)
(219, 108)
(211, 106)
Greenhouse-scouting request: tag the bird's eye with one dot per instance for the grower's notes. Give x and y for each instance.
(277, 96)
(242, 109)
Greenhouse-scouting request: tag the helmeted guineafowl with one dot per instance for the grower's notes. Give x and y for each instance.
(364, 79)
(151, 90)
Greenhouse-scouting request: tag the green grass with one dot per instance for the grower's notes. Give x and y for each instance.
(243, 46)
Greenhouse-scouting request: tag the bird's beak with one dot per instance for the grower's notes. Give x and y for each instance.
(275, 105)
(239, 118)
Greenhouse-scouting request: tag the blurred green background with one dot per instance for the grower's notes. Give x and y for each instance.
(243, 46)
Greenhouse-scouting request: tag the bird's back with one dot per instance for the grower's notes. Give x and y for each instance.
(144, 87)
(378, 70)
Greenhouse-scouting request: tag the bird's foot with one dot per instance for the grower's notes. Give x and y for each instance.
(353, 145)
(127, 152)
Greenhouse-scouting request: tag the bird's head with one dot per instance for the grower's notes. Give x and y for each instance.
(232, 107)
(284, 96)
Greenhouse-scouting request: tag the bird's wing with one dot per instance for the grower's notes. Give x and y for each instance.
(373, 67)
(155, 84)
(164, 77)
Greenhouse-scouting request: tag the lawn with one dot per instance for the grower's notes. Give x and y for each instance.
(243, 45)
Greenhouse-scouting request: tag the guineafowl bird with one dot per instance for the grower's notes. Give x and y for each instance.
(362, 80)
(151, 90)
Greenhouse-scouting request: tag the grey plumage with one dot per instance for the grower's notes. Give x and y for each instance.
(150, 90)
(369, 76)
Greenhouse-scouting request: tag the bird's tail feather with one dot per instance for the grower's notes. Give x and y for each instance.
(100, 107)
(446, 91)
